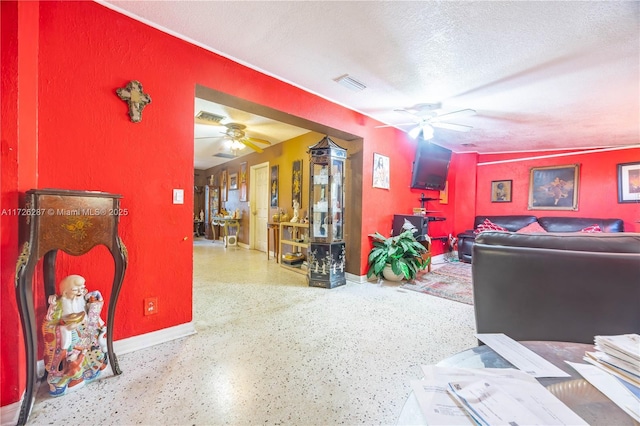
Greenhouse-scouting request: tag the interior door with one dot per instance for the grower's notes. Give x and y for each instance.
(259, 205)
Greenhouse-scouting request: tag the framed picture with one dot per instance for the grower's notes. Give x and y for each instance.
(380, 171)
(296, 183)
(629, 183)
(501, 191)
(554, 188)
(233, 181)
(274, 186)
(223, 185)
(444, 194)
(243, 181)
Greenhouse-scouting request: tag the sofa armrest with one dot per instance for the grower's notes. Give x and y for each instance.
(465, 245)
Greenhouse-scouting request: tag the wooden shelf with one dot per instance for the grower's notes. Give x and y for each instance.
(295, 229)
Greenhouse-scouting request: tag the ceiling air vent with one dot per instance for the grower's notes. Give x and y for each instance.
(468, 145)
(209, 117)
(224, 155)
(350, 83)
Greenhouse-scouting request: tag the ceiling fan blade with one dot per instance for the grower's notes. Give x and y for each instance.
(399, 124)
(246, 141)
(416, 117)
(450, 126)
(209, 137)
(459, 113)
(258, 140)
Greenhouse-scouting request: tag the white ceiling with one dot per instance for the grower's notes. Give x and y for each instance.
(541, 75)
(210, 140)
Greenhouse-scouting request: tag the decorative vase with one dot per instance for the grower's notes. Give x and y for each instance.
(389, 275)
(276, 218)
(284, 217)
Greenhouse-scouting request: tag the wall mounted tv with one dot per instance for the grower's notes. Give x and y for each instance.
(430, 167)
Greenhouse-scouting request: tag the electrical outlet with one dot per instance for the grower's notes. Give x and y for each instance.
(151, 305)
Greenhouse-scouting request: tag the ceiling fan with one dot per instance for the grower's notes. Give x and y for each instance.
(235, 133)
(426, 117)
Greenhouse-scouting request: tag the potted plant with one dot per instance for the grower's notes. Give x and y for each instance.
(402, 255)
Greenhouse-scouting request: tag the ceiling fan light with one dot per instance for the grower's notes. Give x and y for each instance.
(427, 132)
(415, 132)
(236, 146)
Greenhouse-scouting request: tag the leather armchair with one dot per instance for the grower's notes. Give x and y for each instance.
(562, 287)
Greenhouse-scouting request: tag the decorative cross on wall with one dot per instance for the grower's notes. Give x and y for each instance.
(136, 98)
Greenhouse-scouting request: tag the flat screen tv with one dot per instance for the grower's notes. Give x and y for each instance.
(430, 166)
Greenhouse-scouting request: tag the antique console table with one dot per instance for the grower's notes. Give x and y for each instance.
(226, 223)
(74, 222)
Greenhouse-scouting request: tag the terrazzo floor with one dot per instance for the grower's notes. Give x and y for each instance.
(270, 350)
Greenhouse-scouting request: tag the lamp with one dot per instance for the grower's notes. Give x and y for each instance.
(426, 129)
(236, 146)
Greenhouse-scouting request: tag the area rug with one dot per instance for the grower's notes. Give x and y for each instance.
(451, 281)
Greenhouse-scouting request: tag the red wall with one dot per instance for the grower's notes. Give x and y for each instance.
(597, 192)
(82, 53)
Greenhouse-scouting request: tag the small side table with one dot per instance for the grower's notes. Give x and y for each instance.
(274, 229)
(75, 222)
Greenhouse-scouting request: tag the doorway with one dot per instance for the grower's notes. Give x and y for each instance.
(259, 206)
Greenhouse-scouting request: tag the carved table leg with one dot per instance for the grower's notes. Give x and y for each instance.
(120, 259)
(24, 283)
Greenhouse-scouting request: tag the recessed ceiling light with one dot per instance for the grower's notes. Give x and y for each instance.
(350, 83)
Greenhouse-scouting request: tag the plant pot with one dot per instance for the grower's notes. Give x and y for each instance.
(389, 275)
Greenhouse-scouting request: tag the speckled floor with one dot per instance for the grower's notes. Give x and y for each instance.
(270, 350)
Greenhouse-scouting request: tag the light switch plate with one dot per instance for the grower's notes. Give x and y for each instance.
(178, 196)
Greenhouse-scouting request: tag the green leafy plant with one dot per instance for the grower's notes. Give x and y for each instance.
(402, 252)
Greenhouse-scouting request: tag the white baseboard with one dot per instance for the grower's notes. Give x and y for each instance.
(142, 341)
(9, 413)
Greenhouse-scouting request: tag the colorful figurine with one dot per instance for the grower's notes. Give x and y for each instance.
(74, 337)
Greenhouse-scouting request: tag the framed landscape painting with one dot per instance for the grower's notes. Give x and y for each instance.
(629, 183)
(554, 188)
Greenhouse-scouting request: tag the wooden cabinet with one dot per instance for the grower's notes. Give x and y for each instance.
(327, 252)
(294, 236)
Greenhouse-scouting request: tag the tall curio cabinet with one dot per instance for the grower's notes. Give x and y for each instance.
(326, 255)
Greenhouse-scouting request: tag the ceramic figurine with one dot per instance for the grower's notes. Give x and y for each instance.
(296, 207)
(74, 337)
(201, 215)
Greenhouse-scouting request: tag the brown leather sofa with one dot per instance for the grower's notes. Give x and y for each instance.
(550, 224)
(561, 287)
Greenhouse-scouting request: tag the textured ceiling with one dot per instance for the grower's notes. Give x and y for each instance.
(541, 75)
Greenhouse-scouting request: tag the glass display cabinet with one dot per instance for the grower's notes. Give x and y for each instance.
(326, 255)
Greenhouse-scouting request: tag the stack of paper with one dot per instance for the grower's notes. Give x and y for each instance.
(488, 396)
(615, 370)
(619, 355)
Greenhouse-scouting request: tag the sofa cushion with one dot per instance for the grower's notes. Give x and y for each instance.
(591, 229)
(487, 225)
(576, 224)
(511, 222)
(531, 228)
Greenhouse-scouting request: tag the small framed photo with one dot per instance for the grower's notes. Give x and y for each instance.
(380, 171)
(233, 181)
(501, 191)
(629, 183)
(554, 188)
